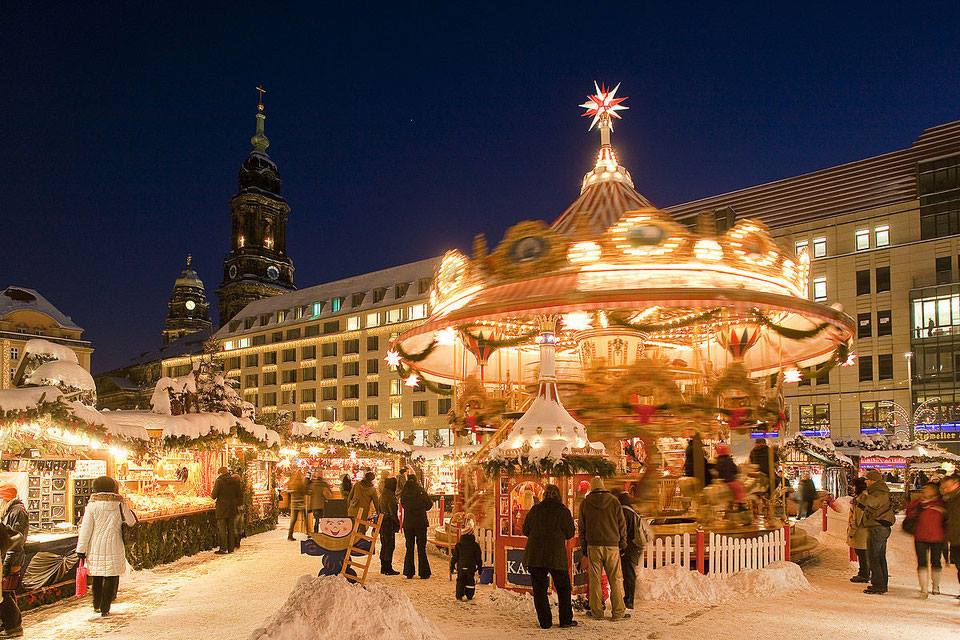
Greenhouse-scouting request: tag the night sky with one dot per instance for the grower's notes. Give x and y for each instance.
(403, 129)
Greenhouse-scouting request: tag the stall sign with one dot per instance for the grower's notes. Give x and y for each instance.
(815, 433)
(764, 434)
(85, 469)
(883, 463)
(517, 573)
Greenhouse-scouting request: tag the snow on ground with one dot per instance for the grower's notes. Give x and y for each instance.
(231, 597)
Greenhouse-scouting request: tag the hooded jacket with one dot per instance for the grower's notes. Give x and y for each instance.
(601, 521)
(467, 557)
(362, 496)
(876, 506)
(17, 519)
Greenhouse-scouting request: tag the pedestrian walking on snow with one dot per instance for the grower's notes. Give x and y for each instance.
(548, 526)
(100, 542)
(466, 561)
(925, 520)
(877, 519)
(950, 490)
(226, 493)
(630, 555)
(416, 503)
(297, 488)
(603, 535)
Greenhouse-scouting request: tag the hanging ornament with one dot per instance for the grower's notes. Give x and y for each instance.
(393, 358)
(792, 375)
(412, 380)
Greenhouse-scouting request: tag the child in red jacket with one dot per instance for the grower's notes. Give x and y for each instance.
(926, 517)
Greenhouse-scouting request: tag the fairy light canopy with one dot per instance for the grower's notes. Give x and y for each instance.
(627, 282)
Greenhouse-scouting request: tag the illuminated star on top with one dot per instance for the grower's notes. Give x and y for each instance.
(604, 102)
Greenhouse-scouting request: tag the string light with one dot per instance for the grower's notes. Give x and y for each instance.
(412, 380)
(393, 358)
(792, 375)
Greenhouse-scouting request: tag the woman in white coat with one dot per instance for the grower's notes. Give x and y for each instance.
(101, 541)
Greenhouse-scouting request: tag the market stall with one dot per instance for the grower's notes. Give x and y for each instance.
(828, 468)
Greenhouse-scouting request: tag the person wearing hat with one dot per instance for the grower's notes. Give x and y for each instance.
(878, 518)
(603, 535)
(13, 515)
(466, 561)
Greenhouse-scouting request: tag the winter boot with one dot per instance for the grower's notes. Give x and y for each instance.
(935, 576)
(923, 575)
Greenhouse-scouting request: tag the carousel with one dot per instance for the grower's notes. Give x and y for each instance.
(660, 339)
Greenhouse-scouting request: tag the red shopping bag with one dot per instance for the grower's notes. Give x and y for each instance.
(81, 579)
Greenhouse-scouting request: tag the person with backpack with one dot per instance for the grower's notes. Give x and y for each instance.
(925, 521)
(878, 518)
(466, 561)
(637, 533)
(100, 542)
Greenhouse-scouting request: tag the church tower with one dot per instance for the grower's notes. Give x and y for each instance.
(258, 265)
(188, 311)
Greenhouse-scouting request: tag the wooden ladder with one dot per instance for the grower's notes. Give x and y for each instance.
(361, 564)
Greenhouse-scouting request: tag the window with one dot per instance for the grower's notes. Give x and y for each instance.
(293, 334)
(866, 368)
(373, 366)
(330, 413)
(884, 324)
(328, 349)
(14, 353)
(373, 412)
(815, 420)
(270, 357)
(351, 413)
(289, 375)
(396, 387)
(309, 395)
(944, 269)
(864, 325)
(419, 408)
(289, 397)
(937, 315)
(882, 235)
(820, 288)
(420, 437)
(249, 322)
(270, 378)
(328, 371)
(310, 373)
(353, 323)
(401, 290)
(316, 308)
(331, 327)
(819, 247)
(938, 185)
(883, 279)
(281, 315)
(863, 239)
(446, 437)
(264, 319)
(308, 413)
(417, 312)
(336, 304)
(443, 406)
(252, 399)
(373, 389)
(396, 409)
(270, 399)
(259, 340)
(233, 363)
(356, 300)
(276, 336)
(423, 285)
(863, 282)
(874, 416)
(800, 246)
(308, 353)
(379, 294)
(351, 346)
(351, 368)
(311, 331)
(251, 380)
(885, 366)
(351, 391)
(373, 343)
(373, 319)
(328, 393)
(394, 315)
(289, 355)
(252, 360)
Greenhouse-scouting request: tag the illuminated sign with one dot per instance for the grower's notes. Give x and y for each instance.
(884, 463)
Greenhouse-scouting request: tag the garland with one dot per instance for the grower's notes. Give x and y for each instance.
(213, 441)
(497, 344)
(344, 446)
(416, 357)
(791, 334)
(656, 327)
(565, 466)
(403, 372)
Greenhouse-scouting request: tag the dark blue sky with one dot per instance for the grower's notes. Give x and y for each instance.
(402, 129)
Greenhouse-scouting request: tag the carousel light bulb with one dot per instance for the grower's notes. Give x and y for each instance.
(393, 358)
(851, 360)
(446, 337)
(412, 380)
(314, 451)
(792, 375)
(584, 252)
(707, 249)
(577, 321)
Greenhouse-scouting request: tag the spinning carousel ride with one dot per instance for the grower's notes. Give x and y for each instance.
(648, 329)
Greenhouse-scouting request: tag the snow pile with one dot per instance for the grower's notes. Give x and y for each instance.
(47, 350)
(189, 425)
(679, 584)
(61, 373)
(507, 600)
(27, 398)
(330, 607)
(160, 400)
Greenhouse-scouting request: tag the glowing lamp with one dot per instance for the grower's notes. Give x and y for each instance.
(584, 252)
(577, 321)
(393, 358)
(792, 375)
(446, 337)
(412, 380)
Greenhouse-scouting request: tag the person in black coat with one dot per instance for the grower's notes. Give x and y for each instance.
(415, 503)
(226, 492)
(17, 521)
(806, 495)
(466, 560)
(629, 555)
(388, 528)
(548, 526)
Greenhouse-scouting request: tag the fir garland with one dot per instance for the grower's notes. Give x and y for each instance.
(565, 466)
(212, 441)
(416, 357)
(403, 372)
(656, 327)
(497, 344)
(343, 447)
(791, 334)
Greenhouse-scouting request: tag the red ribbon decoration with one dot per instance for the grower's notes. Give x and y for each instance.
(645, 412)
(736, 417)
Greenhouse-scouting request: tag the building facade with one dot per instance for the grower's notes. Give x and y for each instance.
(884, 238)
(187, 310)
(319, 352)
(25, 314)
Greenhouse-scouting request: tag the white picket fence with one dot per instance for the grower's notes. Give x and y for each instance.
(485, 539)
(729, 555)
(668, 550)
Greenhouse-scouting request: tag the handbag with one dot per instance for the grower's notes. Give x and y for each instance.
(82, 573)
(128, 532)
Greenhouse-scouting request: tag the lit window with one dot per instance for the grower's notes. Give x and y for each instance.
(820, 289)
(229, 345)
(243, 343)
(420, 437)
(863, 239)
(353, 323)
(14, 353)
(373, 319)
(417, 312)
(336, 304)
(394, 315)
(281, 315)
(819, 247)
(317, 308)
(801, 246)
(396, 387)
(882, 235)
(396, 409)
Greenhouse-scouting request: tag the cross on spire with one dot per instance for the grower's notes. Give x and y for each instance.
(262, 91)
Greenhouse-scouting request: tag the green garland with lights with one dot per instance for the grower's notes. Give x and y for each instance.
(213, 441)
(786, 332)
(617, 320)
(565, 466)
(403, 372)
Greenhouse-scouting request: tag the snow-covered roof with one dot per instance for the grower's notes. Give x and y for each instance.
(57, 372)
(339, 433)
(21, 298)
(189, 425)
(45, 348)
(345, 288)
(27, 397)
(429, 454)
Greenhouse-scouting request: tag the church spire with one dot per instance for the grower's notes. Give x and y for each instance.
(259, 140)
